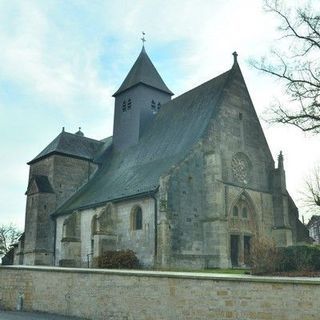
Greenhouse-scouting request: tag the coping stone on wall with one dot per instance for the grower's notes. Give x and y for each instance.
(172, 274)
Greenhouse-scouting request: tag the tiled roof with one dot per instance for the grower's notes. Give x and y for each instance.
(170, 136)
(143, 71)
(72, 145)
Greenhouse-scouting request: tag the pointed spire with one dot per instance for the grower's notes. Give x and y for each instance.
(280, 160)
(143, 71)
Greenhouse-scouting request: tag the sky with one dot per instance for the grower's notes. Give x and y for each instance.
(61, 61)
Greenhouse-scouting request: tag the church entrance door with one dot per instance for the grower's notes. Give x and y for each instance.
(234, 250)
(247, 249)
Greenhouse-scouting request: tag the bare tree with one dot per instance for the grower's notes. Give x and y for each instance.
(311, 194)
(9, 234)
(297, 66)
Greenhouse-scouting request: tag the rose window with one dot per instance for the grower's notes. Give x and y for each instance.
(240, 167)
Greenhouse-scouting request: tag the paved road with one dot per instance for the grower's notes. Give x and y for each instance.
(11, 315)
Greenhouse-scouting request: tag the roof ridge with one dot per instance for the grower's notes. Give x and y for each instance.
(78, 136)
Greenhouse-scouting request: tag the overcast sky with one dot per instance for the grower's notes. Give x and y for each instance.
(61, 60)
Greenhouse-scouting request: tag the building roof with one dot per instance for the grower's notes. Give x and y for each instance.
(74, 145)
(170, 136)
(143, 71)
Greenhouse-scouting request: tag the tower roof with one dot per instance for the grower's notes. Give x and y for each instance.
(143, 71)
(74, 145)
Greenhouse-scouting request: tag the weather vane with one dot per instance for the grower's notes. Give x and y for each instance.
(143, 38)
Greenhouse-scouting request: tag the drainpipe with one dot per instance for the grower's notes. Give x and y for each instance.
(54, 240)
(155, 226)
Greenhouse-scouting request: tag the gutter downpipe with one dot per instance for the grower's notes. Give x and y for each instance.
(54, 241)
(152, 195)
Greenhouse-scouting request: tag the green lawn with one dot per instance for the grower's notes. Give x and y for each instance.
(226, 271)
(222, 271)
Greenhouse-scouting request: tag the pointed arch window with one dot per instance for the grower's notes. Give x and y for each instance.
(158, 106)
(136, 218)
(124, 106)
(241, 208)
(94, 225)
(244, 212)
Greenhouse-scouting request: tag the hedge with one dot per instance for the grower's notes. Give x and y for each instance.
(122, 259)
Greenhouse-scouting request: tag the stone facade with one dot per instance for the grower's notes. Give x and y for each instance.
(107, 228)
(188, 182)
(117, 295)
(66, 175)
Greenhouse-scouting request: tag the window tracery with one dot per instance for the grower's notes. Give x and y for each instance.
(241, 167)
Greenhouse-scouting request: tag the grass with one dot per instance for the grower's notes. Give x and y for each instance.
(226, 271)
(220, 271)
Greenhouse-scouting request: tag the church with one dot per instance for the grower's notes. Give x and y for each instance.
(185, 182)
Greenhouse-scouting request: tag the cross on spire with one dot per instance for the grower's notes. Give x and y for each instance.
(235, 56)
(143, 38)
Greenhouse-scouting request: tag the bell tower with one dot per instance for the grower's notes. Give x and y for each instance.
(138, 99)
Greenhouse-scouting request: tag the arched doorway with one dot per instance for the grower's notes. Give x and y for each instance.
(242, 228)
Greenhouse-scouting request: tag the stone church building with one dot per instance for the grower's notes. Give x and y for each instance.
(184, 182)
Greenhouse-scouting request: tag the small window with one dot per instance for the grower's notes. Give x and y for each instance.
(240, 116)
(136, 219)
(124, 106)
(235, 211)
(129, 104)
(158, 106)
(244, 212)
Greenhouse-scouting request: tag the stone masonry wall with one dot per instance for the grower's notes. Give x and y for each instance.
(110, 294)
(66, 176)
(140, 241)
(69, 175)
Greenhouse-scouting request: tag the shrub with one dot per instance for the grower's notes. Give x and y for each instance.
(299, 258)
(122, 259)
(264, 256)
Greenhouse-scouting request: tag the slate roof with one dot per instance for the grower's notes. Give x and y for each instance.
(72, 145)
(169, 137)
(143, 71)
(42, 182)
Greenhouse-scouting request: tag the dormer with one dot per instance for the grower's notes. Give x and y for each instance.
(138, 99)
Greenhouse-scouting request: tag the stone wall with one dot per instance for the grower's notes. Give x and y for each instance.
(123, 237)
(109, 294)
(66, 175)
